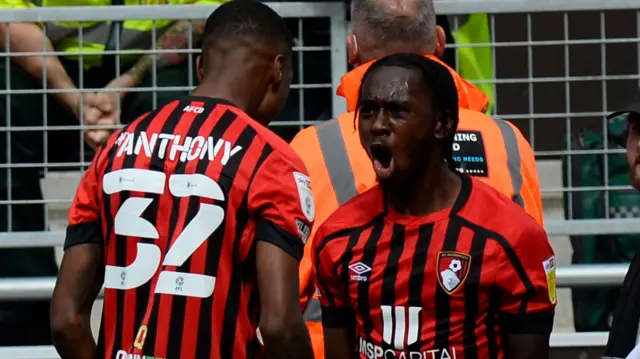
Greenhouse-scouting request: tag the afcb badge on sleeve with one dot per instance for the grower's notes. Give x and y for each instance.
(549, 266)
(453, 268)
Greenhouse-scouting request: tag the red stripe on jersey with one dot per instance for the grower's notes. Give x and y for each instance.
(155, 126)
(244, 328)
(129, 313)
(457, 307)
(222, 279)
(111, 295)
(408, 251)
(198, 261)
(164, 321)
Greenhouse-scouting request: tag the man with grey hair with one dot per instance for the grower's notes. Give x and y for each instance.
(492, 150)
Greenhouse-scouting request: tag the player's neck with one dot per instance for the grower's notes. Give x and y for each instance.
(234, 94)
(432, 191)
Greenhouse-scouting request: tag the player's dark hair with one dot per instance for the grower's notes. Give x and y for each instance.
(440, 85)
(248, 20)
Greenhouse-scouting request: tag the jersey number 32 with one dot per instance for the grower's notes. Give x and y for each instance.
(129, 223)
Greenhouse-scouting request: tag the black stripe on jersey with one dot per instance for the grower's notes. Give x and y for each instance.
(100, 347)
(232, 308)
(491, 322)
(179, 303)
(121, 250)
(354, 234)
(150, 214)
(391, 268)
(443, 311)
(513, 258)
(204, 329)
(397, 241)
(419, 263)
(471, 294)
(368, 257)
(249, 265)
(418, 266)
(463, 196)
(214, 248)
(109, 218)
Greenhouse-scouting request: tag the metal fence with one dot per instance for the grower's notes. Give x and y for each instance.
(533, 67)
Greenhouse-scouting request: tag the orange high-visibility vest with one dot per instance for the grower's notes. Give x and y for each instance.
(493, 150)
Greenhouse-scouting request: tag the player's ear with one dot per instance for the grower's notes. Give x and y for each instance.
(443, 126)
(199, 68)
(441, 42)
(277, 70)
(352, 50)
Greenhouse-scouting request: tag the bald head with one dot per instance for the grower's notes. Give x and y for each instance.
(383, 27)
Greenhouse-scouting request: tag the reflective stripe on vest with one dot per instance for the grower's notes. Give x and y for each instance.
(513, 158)
(343, 180)
(336, 161)
(313, 311)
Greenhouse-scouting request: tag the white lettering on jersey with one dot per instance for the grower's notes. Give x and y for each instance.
(193, 109)
(130, 223)
(374, 351)
(121, 354)
(175, 147)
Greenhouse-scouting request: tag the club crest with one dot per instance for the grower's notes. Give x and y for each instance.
(453, 268)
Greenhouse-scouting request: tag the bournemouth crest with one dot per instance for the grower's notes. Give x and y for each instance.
(453, 268)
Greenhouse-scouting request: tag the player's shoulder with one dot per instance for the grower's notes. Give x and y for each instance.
(355, 214)
(491, 210)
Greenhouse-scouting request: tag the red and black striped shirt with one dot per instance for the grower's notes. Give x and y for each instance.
(180, 197)
(444, 285)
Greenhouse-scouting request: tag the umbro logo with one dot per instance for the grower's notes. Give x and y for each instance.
(359, 269)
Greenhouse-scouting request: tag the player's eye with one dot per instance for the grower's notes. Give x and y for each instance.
(366, 111)
(397, 111)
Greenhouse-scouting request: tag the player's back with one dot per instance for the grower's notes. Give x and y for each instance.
(180, 278)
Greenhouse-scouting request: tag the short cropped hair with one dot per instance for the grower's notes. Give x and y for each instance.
(382, 22)
(248, 20)
(438, 82)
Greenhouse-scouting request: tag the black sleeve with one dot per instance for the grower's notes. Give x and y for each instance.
(86, 232)
(270, 232)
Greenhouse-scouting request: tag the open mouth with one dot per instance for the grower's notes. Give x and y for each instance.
(382, 161)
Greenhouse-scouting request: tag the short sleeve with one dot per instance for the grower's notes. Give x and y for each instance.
(280, 197)
(84, 214)
(336, 312)
(527, 283)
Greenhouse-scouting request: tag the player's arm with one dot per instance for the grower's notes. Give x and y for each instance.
(81, 273)
(277, 198)
(526, 283)
(338, 319)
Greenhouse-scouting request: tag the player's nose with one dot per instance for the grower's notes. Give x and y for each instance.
(380, 126)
